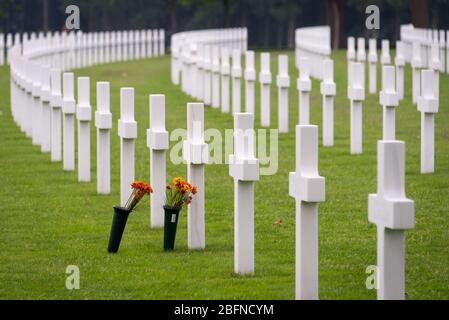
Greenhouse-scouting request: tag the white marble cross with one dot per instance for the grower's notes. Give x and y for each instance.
(156, 52)
(350, 53)
(435, 65)
(244, 168)
(428, 106)
(2, 50)
(45, 118)
(283, 83)
(356, 94)
(236, 81)
(372, 59)
(265, 88)
(68, 110)
(385, 57)
(417, 64)
(37, 107)
(225, 74)
(29, 101)
(250, 78)
(308, 189)
(149, 43)
(207, 79)
(127, 131)
(215, 77)
(158, 143)
(195, 153)
(389, 101)
(328, 91)
(361, 54)
(84, 117)
(199, 72)
(400, 64)
(392, 213)
(103, 123)
(304, 86)
(442, 44)
(56, 112)
(162, 42)
(447, 51)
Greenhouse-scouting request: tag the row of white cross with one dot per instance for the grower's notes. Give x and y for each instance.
(79, 49)
(388, 208)
(37, 100)
(393, 81)
(313, 43)
(423, 40)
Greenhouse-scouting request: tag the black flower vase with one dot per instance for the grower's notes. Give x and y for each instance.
(118, 226)
(170, 226)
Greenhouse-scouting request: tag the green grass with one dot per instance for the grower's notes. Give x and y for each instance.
(49, 220)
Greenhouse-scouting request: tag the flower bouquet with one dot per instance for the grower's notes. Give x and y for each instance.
(121, 214)
(177, 195)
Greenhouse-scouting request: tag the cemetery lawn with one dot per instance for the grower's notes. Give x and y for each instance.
(49, 221)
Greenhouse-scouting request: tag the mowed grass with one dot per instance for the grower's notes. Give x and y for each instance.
(49, 220)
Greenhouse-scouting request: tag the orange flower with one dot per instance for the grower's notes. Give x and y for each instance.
(142, 186)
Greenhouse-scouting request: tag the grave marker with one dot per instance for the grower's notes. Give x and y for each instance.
(157, 142)
(143, 44)
(356, 94)
(215, 77)
(361, 54)
(417, 64)
(244, 168)
(308, 189)
(428, 106)
(435, 65)
(392, 213)
(199, 73)
(350, 53)
(103, 123)
(162, 42)
(2, 50)
(400, 64)
(68, 110)
(207, 94)
(127, 131)
(225, 73)
(442, 51)
(236, 81)
(250, 79)
(304, 86)
(149, 43)
(29, 103)
(389, 100)
(84, 117)
(447, 51)
(155, 43)
(265, 87)
(328, 91)
(372, 58)
(37, 107)
(385, 57)
(283, 83)
(195, 153)
(56, 113)
(46, 110)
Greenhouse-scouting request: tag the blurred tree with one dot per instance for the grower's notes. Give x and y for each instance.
(334, 17)
(271, 23)
(420, 13)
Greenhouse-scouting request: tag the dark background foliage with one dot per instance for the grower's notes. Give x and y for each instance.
(271, 23)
